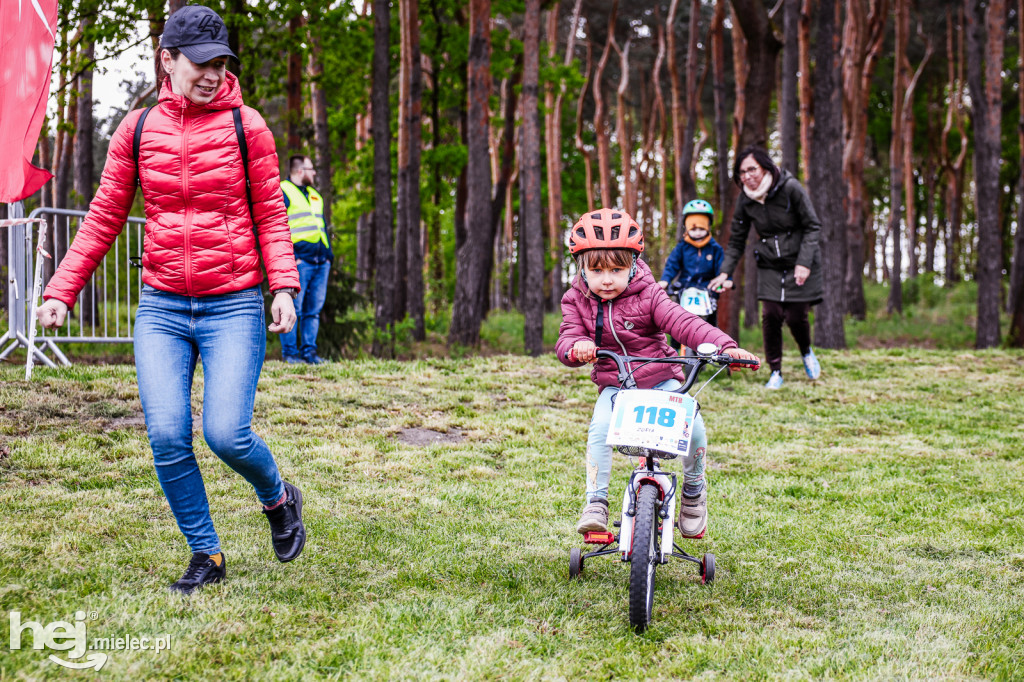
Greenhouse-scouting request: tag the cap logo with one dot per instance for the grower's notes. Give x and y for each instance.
(208, 24)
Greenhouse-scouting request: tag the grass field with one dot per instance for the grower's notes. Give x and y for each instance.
(867, 526)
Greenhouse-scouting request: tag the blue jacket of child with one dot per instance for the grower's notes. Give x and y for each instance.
(695, 267)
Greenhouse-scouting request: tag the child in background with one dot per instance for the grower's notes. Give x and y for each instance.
(615, 304)
(696, 260)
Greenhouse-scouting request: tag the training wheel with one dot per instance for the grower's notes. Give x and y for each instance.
(575, 563)
(707, 568)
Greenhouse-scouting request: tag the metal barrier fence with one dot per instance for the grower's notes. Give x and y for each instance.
(106, 306)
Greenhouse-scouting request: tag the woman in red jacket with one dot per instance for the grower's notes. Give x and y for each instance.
(201, 297)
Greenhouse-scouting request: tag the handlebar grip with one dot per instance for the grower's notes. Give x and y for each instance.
(738, 362)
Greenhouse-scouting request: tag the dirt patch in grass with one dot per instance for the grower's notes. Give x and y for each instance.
(424, 437)
(135, 420)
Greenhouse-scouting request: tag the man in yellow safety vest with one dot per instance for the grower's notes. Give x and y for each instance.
(313, 256)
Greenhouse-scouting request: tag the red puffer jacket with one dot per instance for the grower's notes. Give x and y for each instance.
(635, 323)
(199, 235)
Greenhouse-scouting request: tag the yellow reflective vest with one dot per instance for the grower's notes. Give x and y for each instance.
(305, 216)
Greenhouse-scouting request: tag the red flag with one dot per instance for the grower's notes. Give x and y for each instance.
(26, 51)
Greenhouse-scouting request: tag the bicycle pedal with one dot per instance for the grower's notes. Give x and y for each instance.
(598, 538)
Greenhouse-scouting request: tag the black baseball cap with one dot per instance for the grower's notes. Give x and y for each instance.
(198, 32)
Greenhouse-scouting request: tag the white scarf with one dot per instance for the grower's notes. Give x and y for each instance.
(761, 192)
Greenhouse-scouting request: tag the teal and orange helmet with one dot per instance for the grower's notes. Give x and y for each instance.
(699, 207)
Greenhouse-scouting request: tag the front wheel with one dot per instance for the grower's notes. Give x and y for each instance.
(644, 559)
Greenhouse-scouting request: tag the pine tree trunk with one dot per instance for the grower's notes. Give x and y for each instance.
(678, 114)
(604, 162)
(760, 56)
(788, 100)
(723, 183)
(986, 23)
(806, 101)
(902, 11)
(953, 167)
(531, 230)
(863, 35)
(321, 133)
(588, 183)
(473, 260)
(553, 156)
(624, 133)
(504, 150)
(1016, 297)
(436, 252)
(826, 175)
(930, 180)
(294, 85)
(686, 156)
(414, 124)
(384, 311)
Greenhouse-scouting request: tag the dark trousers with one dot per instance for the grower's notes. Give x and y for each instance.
(773, 314)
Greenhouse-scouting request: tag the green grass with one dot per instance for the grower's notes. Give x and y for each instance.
(867, 526)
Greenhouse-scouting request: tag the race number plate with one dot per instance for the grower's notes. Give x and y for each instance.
(659, 420)
(696, 301)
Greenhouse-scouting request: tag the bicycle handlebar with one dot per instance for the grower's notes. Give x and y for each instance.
(626, 377)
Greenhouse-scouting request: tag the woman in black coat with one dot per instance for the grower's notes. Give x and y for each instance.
(788, 256)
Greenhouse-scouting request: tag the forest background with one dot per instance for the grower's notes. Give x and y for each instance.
(508, 119)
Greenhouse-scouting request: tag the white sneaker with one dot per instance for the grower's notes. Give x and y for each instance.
(812, 366)
(774, 381)
(693, 515)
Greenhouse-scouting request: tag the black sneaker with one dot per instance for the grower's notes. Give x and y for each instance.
(286, 528)
(202, 570)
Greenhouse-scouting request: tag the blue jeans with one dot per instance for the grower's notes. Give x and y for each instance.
(228, 334)
(599, 453)
(308, 304)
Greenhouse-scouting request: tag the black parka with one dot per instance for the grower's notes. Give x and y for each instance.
(787, 231)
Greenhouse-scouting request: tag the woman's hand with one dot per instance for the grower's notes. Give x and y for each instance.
(740, 354)
(583, 351)
(720, 282)
(51, 314)
(800, 274)
(283, 312)
(663, 284)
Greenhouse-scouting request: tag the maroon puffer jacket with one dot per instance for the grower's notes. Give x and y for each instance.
(199, 236)
(634, 324)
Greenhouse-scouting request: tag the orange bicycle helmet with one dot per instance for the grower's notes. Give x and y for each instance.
(606, 228)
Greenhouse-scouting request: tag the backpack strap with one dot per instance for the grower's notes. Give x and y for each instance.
(136, 261)
(243, 147)
(137, 142)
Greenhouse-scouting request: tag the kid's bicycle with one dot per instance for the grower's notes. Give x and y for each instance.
(655, 426)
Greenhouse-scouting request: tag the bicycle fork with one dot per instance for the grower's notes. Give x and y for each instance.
(666, 482)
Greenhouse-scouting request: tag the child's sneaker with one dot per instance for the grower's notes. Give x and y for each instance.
(693, 514)
(811, 366)
(594, 517)
(774, 381)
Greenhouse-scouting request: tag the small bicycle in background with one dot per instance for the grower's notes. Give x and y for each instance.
(653, 425)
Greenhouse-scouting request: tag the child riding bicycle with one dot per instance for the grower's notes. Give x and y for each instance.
(697, 259)
(615, 304)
